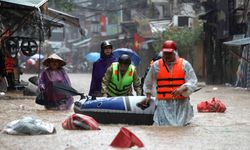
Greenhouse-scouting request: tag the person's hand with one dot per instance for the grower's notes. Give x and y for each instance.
(42, 87)
(179, 91)
(145, 103)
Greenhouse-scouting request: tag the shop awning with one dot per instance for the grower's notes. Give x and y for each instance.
(61, 16)
(25, 3)
(31, 4)
(49, 22)
(19, 17)
(22, 16)
(238, 42)
(83, 43)
(159, 26)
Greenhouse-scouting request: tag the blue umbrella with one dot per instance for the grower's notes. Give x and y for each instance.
(92, 56)
(133, 55)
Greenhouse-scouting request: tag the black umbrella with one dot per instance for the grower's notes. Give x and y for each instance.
(67, 89)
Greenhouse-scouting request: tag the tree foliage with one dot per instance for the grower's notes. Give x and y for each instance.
(184, 37)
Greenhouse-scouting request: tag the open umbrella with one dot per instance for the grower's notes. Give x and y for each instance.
(37, 56)
(133, 55)
(92, 56)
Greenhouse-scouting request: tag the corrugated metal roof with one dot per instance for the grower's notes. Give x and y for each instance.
(29, 3)
(238, 42)
(64, 17)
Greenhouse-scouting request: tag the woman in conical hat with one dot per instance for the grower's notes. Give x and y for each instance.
(54, 72)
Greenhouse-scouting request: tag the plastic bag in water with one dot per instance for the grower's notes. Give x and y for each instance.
(30, 126)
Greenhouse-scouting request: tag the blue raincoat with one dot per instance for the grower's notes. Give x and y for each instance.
(99, 69)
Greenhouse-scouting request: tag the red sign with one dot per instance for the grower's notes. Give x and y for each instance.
(137, 41)
(103, 23)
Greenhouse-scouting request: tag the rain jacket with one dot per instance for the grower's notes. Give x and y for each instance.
(119, 85)
(136, 83)
(56, 99)
(99, 69)
(173, 112)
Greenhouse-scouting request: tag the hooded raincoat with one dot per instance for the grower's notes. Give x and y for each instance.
(99, 69)
(56, 100)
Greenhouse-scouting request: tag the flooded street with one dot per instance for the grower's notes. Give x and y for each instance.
(229, 130)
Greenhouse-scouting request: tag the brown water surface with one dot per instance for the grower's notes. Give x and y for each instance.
(229, 130)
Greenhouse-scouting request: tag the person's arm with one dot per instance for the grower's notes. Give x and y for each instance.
(42, 81)
(137, 84)
(67, 80)
(150, 79)
(190, 78)
(92, 83)
(106, 80)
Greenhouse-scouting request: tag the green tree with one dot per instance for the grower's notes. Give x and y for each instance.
(185, 38)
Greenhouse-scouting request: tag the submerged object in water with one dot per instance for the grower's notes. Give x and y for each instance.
(113, 110)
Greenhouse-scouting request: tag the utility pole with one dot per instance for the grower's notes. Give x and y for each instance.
(248, 51)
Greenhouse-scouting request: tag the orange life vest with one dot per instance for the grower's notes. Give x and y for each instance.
(169, 80)
(9, 64)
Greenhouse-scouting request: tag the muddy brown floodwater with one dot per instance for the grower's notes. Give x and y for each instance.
(222, 131)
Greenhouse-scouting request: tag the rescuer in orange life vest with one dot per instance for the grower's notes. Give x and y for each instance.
(175, 80)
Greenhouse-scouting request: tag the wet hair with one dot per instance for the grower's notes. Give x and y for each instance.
(124, 59)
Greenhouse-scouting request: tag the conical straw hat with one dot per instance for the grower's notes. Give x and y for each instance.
(46, 62)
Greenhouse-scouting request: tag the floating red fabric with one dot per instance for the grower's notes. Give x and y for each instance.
(80, 122)
(213, 105)
(126, 139)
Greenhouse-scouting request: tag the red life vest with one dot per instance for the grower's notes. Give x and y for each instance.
(169, 80)
(9, 64)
